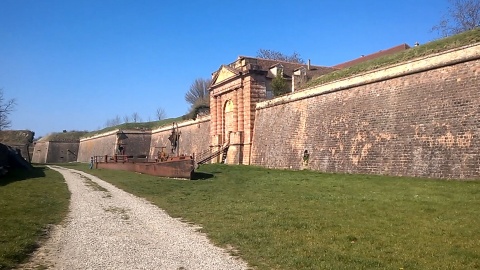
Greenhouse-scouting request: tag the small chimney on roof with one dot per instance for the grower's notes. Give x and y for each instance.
(308, 65)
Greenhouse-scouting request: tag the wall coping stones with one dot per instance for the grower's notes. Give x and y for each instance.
(108, 133)
(433, 61)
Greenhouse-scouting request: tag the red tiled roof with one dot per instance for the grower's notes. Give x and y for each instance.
(381, 53)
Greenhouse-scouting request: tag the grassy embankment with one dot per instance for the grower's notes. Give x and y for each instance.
(29, 202)
(279, 219)
(437, 46)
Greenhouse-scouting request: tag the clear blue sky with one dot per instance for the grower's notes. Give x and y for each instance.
(74, 65)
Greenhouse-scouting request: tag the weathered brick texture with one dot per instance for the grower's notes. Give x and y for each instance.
(40, 152)
(194, 137)
(100, 145)
(136, 144)
(422, 124)
(55, 152)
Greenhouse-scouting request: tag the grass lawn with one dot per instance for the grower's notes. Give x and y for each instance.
(278, 219)
(29, 201)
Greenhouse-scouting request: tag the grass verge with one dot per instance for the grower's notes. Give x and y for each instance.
(278, 219)
(29, 202)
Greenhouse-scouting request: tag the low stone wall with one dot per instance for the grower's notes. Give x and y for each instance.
(419, 118)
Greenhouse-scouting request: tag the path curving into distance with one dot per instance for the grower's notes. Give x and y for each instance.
(108, 228)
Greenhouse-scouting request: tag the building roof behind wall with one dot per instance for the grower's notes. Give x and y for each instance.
(288, 67)
(378, 54)
(252, 64)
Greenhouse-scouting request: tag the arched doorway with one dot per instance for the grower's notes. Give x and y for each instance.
(228, 121)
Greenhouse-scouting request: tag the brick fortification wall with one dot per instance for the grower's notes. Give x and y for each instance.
(98, 145)
(420, 118)
(55, 152)
(59, 152)
(194, 137)
(137, 143)
(40, 152)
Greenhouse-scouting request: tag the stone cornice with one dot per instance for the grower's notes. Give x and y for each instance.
(218, 91)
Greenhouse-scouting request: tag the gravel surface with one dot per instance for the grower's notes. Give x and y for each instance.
(108, 228)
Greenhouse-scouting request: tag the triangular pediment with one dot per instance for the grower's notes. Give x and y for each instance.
(223, 74)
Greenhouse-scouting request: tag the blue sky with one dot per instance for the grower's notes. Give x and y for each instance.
(73, 65)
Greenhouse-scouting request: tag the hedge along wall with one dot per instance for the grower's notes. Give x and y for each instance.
(194, 137)
(419, 118)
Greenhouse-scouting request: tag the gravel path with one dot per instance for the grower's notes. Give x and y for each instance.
(108, 228)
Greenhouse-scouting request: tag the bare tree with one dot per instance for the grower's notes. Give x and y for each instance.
(198, 93)
(274, 55)
(108, 123)
(126, 119)
(136, 117)
(117, 120)
(161, 114)
(462, 15)
(113, 122)
(6, 107)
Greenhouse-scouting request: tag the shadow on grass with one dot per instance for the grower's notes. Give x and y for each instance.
(201, 176)
(18, 174)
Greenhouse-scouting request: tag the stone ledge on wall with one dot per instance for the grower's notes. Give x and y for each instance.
(185, 123)
(96, 136)
(446, 58)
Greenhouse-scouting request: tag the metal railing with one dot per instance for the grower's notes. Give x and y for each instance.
(208, 155)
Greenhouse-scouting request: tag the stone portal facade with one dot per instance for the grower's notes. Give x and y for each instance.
(234, 92)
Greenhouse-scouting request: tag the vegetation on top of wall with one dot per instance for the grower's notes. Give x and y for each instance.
(141, 126)
(65, 136)
(462, 39)
(16, 136)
